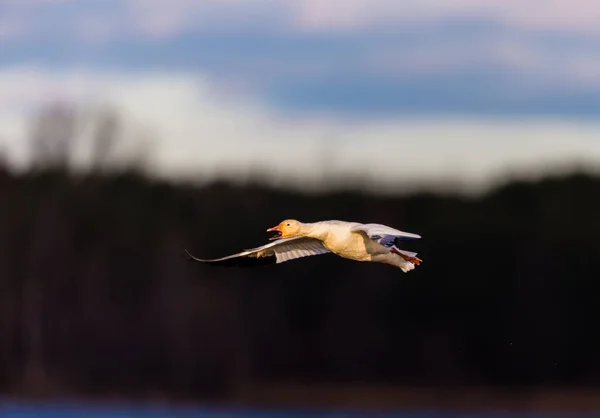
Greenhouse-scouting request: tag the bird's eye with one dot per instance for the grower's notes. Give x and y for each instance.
(288, 225)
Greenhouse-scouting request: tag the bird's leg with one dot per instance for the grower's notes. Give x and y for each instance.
(414, 260)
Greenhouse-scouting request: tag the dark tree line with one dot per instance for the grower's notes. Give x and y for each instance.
(96, 294)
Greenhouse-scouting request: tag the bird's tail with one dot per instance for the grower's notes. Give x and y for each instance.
(407, 266)
(409, 259)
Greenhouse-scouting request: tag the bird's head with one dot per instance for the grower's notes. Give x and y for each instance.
(286, 229)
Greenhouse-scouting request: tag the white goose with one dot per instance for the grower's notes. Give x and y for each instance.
(352, 240)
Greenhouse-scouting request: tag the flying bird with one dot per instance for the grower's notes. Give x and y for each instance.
(355, 241)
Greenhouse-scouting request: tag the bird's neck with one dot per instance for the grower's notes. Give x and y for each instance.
(316, 230)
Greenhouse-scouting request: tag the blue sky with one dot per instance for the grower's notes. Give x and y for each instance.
(327, 68)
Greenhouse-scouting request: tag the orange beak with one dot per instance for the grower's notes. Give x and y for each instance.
(276, 229)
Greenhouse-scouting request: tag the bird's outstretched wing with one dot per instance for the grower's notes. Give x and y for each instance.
(278, 251)
(383, 234)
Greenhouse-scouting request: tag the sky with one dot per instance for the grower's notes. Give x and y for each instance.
(401, 94)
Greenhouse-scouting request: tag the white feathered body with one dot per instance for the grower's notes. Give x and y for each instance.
(343, 239)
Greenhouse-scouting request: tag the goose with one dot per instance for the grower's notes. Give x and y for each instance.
(351, 240)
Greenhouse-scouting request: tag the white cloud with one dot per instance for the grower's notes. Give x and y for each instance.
(145, 18)
(534, 61)
(201, 133)
(327, 15)
(157, 18)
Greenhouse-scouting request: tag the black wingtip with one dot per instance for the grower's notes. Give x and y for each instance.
(190, 257)
(236, 261)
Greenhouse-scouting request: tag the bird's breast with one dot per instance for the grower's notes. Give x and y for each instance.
(349, 245)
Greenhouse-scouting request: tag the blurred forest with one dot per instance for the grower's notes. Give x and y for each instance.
(97, 296)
